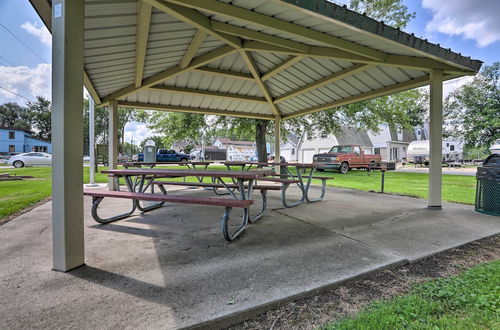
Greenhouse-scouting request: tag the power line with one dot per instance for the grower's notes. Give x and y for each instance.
(22, 42)
(6, 60)
(8, 90)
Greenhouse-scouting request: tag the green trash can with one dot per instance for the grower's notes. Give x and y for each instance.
(488, 186)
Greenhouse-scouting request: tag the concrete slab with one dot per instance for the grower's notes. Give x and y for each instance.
(170, 268)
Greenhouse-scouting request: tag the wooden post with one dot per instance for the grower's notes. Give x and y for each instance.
(67, 134)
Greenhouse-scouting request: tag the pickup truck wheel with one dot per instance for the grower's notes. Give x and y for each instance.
(370, 166)
(344, 168)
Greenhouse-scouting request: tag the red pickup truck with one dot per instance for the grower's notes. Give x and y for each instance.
(344, 157)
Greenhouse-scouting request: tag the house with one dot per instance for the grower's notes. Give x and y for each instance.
(21, 140)
(392, 143)
(311, 144)
(237, 150)
(289, 149)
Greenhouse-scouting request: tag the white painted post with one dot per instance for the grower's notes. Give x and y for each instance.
(113, 142)
(277, 139)
(435, 139)
(67, 134)
(92, 142)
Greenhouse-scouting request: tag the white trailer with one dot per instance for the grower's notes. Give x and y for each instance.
(418, 151)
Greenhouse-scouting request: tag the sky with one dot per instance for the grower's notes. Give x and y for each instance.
(470, 27)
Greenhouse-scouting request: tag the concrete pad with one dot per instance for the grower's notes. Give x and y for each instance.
(170, 268)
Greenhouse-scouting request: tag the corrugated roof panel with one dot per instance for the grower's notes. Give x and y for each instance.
(232, 62)
(95, 8)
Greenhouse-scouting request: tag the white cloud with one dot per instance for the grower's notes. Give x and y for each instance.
(136, 132)
(472, 19)
(451, 85)
(29, 82)
(40, 32)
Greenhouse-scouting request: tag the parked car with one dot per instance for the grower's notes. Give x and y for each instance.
(345, 157)
(167, 155)
(30, 159)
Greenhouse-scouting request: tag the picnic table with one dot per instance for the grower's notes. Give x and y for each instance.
(286, 175)
(189, 165)
(138, 181)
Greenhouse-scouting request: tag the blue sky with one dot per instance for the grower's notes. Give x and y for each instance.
(471, 27)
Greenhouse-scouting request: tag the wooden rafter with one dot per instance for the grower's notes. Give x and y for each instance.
(265, 21)
(256, 74)
(282, 67)
(162, 107)
(225, 73)
(323, 82)
(143, 19)
(171, 72)
(193, 47)
(259, 36)
(195, 19)
(197, 92)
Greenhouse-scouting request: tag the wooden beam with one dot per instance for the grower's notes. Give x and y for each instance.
(197, 92)
(256, 74)
(255, 18)
(90, 88)
(281, 67)
(141, 41)
(259, 36)
(171, 72)
(194, 18)
(325, 81)
(215, 112)
(193, 47)
(225, 73)
(413, 83)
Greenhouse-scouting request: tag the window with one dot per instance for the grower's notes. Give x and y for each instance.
(293, 151)
(12, 148)
(357, 151)
(447, 144)
(418, 132)
(324, 135)
(171, 152)
(376, 151)
(12, 135)
(452, 147)
(341, 149)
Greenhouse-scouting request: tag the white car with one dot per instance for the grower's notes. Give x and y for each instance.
(30, 159)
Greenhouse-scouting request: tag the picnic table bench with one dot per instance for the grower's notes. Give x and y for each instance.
(137, 193)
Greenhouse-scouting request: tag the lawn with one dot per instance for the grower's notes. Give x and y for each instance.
(467, 301)
(17, 195)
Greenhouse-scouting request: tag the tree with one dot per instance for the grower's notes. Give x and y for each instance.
(14, 115)
(393, 12)
(40, 115)
(472, 112)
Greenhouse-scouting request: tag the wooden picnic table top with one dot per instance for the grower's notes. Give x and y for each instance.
(167, 163)
(183, 173)
(298, 165)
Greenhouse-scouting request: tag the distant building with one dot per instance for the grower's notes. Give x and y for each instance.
(237, 150)
(21, 140)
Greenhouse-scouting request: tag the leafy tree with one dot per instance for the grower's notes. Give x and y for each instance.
(14, 115)
(472, 111)
(158, 140)
(40, 116)
(393, 12)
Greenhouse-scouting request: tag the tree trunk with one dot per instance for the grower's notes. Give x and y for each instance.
(260, 139)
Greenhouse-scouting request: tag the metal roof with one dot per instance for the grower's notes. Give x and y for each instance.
(256, 59)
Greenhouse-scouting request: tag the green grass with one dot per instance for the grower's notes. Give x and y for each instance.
(17, 195)
(468, 301)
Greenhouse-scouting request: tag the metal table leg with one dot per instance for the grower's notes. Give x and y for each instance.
(231, 236)
(323, 188)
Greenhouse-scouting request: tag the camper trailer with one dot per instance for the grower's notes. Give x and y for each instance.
(418, 152)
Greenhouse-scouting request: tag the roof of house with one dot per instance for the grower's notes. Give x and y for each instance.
(229, 141)
(16, 129)
(350, 135)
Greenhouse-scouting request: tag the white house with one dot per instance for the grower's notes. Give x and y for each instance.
(237, 150)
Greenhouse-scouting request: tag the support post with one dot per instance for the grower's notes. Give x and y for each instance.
(92, 167)
(113, 142)
(67, 134)
(435, 139)
(277, 140)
